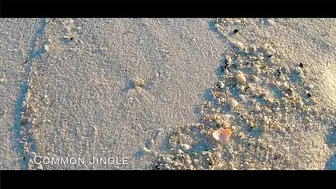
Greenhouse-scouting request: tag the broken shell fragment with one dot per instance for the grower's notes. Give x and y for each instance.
(221, 134)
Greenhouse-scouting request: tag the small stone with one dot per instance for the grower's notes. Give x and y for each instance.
(232, 103)
(235, 31)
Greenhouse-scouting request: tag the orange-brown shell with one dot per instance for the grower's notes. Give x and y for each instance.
(222, 134)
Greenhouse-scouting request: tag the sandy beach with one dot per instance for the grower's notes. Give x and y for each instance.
(145, 93)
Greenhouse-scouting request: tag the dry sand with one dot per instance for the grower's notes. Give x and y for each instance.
(81, 102)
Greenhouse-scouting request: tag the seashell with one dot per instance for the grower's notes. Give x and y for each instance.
(221, 84)
(300, 104)
(233, 103)
(185, 146)
(227, 117)
(239, 44)
(241, 79)
(218, 155)
(168, 160)
(221, 134)
(217, 167)
(145, 150)
(39, 167)
(228, 60)
(242, 97)
(257, 108)
(255, 78)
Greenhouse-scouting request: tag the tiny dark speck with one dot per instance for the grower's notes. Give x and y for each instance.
(269, 56)
(309, 95)
(71, 38)
(301, 65)
(235, 31)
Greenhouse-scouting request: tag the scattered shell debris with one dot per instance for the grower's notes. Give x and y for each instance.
(263, 96)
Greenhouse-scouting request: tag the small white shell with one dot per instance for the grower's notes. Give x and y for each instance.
(299, 69)
(196, 161)
(221, 84)
(241, 79)
(227, 117)
(255, 78)
(229, 60)
(3, 79)
(185, 146)
(217, 167)
(232, 103)
(145, 150)
(242, 97)
(257, 108)
(46, 47)
(39, 167)
(300, 104)
(218, 155)
(239, 44)
(271, 22)
(168, 160)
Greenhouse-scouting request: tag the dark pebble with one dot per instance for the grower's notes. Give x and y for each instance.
(235, 31)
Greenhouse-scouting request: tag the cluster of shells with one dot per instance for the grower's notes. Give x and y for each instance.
(253, 96)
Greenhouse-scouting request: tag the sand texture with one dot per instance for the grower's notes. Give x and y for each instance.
(153, 91)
